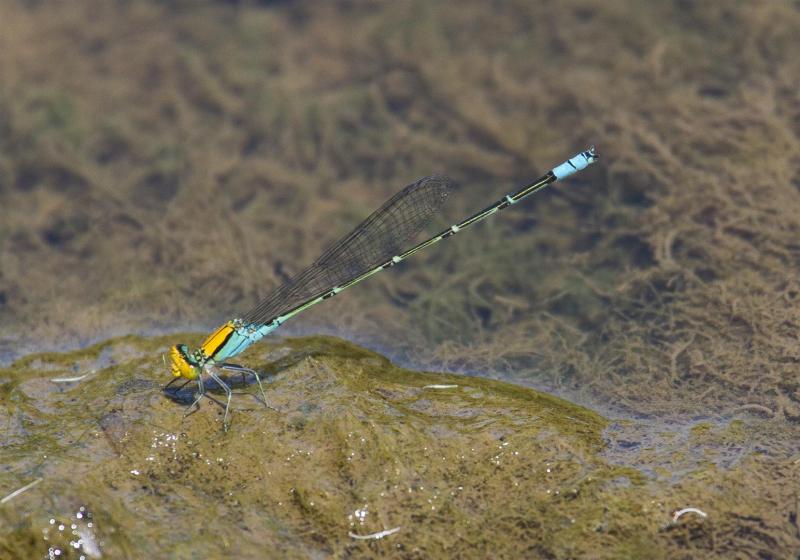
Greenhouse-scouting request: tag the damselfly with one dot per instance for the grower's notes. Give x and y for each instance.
(376, 244)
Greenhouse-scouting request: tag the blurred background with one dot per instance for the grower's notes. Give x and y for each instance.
(164, 164)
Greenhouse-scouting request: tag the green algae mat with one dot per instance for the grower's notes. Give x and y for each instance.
(354, 458)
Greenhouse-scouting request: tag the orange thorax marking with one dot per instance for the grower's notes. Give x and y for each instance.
(217, 339)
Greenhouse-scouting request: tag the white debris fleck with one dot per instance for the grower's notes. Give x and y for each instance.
(71, 379)
(19, 491)
(89, 543)
(440, 387)
(378, 535)
(677, 515)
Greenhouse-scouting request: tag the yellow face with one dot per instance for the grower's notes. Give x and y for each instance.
(181, 364)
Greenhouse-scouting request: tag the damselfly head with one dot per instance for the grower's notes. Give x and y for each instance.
(181, 362)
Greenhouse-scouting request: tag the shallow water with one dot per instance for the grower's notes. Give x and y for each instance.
(163, 165)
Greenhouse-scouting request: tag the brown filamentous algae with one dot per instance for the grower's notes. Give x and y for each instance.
(361, 458)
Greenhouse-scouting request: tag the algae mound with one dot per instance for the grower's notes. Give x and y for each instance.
(357, 446)
(463, 466)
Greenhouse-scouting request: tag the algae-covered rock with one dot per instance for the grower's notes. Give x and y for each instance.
(441, 465)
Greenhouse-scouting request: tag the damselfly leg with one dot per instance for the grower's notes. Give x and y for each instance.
(243, 370)
(197, 397)
(201, 390)
(213, 375)
(177, 389)
(213, 372)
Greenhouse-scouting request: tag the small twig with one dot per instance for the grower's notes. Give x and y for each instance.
(676, 351)
(677, 515)
(378, 535)
(756, 408)
(666, 253)
(71, 379)
(512, 303)
(19, 491)
(440, 386)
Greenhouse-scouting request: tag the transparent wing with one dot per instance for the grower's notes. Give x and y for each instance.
(377, 239)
